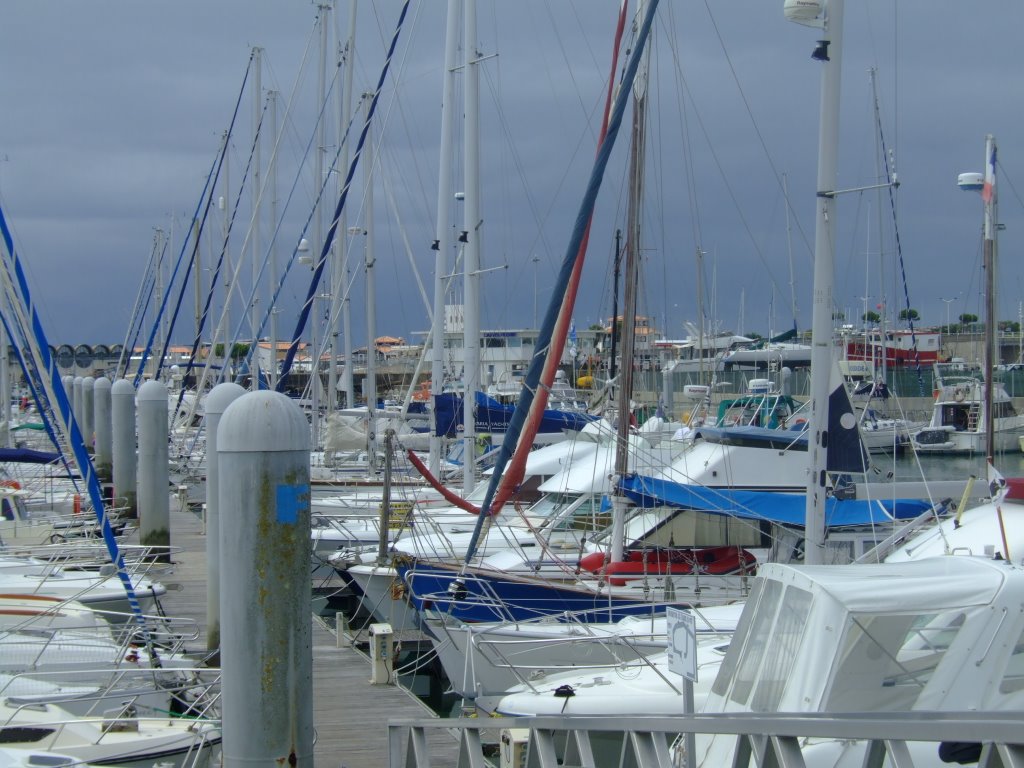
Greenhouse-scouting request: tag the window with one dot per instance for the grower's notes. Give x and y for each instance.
(886, 661)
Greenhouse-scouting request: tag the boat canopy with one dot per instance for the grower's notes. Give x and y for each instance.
(781, 508)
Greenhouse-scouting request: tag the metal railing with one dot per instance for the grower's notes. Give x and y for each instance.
(902, 739)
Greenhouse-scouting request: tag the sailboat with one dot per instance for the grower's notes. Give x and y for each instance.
(972, 412)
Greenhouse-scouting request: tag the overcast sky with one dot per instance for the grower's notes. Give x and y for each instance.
(114, 112)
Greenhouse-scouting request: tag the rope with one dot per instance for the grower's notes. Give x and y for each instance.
(300, 326)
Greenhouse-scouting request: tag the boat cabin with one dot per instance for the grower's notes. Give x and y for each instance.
(945, 633)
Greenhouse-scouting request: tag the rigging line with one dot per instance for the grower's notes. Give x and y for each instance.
(328, 241)
(757, 130)
(197, 341)
(136, 309)
(69, 427)
(557, 312)
(211, 182)
(19, 337)
(146, 288)
(224, 248)
(277, 229)
(291, 261)
(899, 249)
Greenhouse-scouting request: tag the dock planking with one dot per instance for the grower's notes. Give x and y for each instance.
(349, 713)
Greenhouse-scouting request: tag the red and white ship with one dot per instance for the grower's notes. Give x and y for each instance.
(897, 348)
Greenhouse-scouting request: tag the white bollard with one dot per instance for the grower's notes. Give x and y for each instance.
(263, 448)
(217, 401)
(122, 420)
(154, 482)
(104, 456)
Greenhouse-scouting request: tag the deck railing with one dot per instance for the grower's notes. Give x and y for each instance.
(903, 739)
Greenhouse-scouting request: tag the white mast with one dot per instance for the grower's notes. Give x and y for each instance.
(471, 229)
(318, 237)
(444, 238)
(340, 267)
(829, 52)
(634, 222)
(257, 87)
(370, 383)
(272, 99)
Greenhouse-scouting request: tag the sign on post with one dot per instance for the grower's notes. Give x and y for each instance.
(682, 643)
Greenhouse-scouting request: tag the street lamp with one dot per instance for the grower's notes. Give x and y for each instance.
(948, 302)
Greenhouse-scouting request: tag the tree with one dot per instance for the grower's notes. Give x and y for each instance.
(237, 350)
(909, 315)
(966, 319)
(871, 317)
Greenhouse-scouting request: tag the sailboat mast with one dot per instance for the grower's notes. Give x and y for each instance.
(444, 238)
(370, 384)
(257, 189)
(989, 255)
(471, 261)
(339, 268)
(633, 224)
(321, 141)
(831, 48)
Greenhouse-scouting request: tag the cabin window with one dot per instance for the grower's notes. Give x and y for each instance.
(785, 644)
(727, 670)
(754, 650)
(886, 661)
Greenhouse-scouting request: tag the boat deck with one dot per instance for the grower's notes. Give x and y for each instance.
(350, 714)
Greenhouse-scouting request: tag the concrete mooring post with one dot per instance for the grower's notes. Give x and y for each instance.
(217, 401)
(154, 476)
(263, 446)
(76, 401)
(87, 417)
(104, 457)
(122, 419)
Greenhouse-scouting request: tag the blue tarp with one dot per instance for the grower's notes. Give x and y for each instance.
(28, 456)
(782, 508)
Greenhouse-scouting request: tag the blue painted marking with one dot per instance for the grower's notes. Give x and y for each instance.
(290, 499)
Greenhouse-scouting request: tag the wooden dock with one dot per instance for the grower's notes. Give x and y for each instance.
(350, 714)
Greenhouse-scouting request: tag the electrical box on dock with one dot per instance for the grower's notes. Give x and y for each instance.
(381, 652)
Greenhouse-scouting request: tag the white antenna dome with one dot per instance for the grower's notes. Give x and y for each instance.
(810, 13)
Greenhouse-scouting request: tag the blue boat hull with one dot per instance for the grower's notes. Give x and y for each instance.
(473, 596)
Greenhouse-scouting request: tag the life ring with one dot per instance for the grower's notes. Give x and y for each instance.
(959, 395)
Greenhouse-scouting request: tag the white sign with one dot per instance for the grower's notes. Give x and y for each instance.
(682, 643)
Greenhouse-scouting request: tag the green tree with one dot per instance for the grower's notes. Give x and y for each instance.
(871, 317)
(909, 315)
(237, 350)
(966, 319)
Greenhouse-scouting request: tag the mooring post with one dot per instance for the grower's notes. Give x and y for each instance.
(263, 446)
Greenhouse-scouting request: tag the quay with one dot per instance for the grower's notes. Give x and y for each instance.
(351, 715)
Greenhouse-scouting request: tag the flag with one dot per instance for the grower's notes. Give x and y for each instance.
(996, 485)
(572, 339)
(989, 187)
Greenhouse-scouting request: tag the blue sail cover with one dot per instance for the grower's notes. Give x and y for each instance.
(28, 456)
(492, 416)
(781, 508)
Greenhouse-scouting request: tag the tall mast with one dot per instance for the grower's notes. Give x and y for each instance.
(272, 98)
(633, 226)
(471, 259)
(340, 266)
(829, 52)
(370, 383)
(257, 192)
(318, 225)
(443, 242)
(988, 194)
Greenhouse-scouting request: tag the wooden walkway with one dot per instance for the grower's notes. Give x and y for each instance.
(350, 714)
